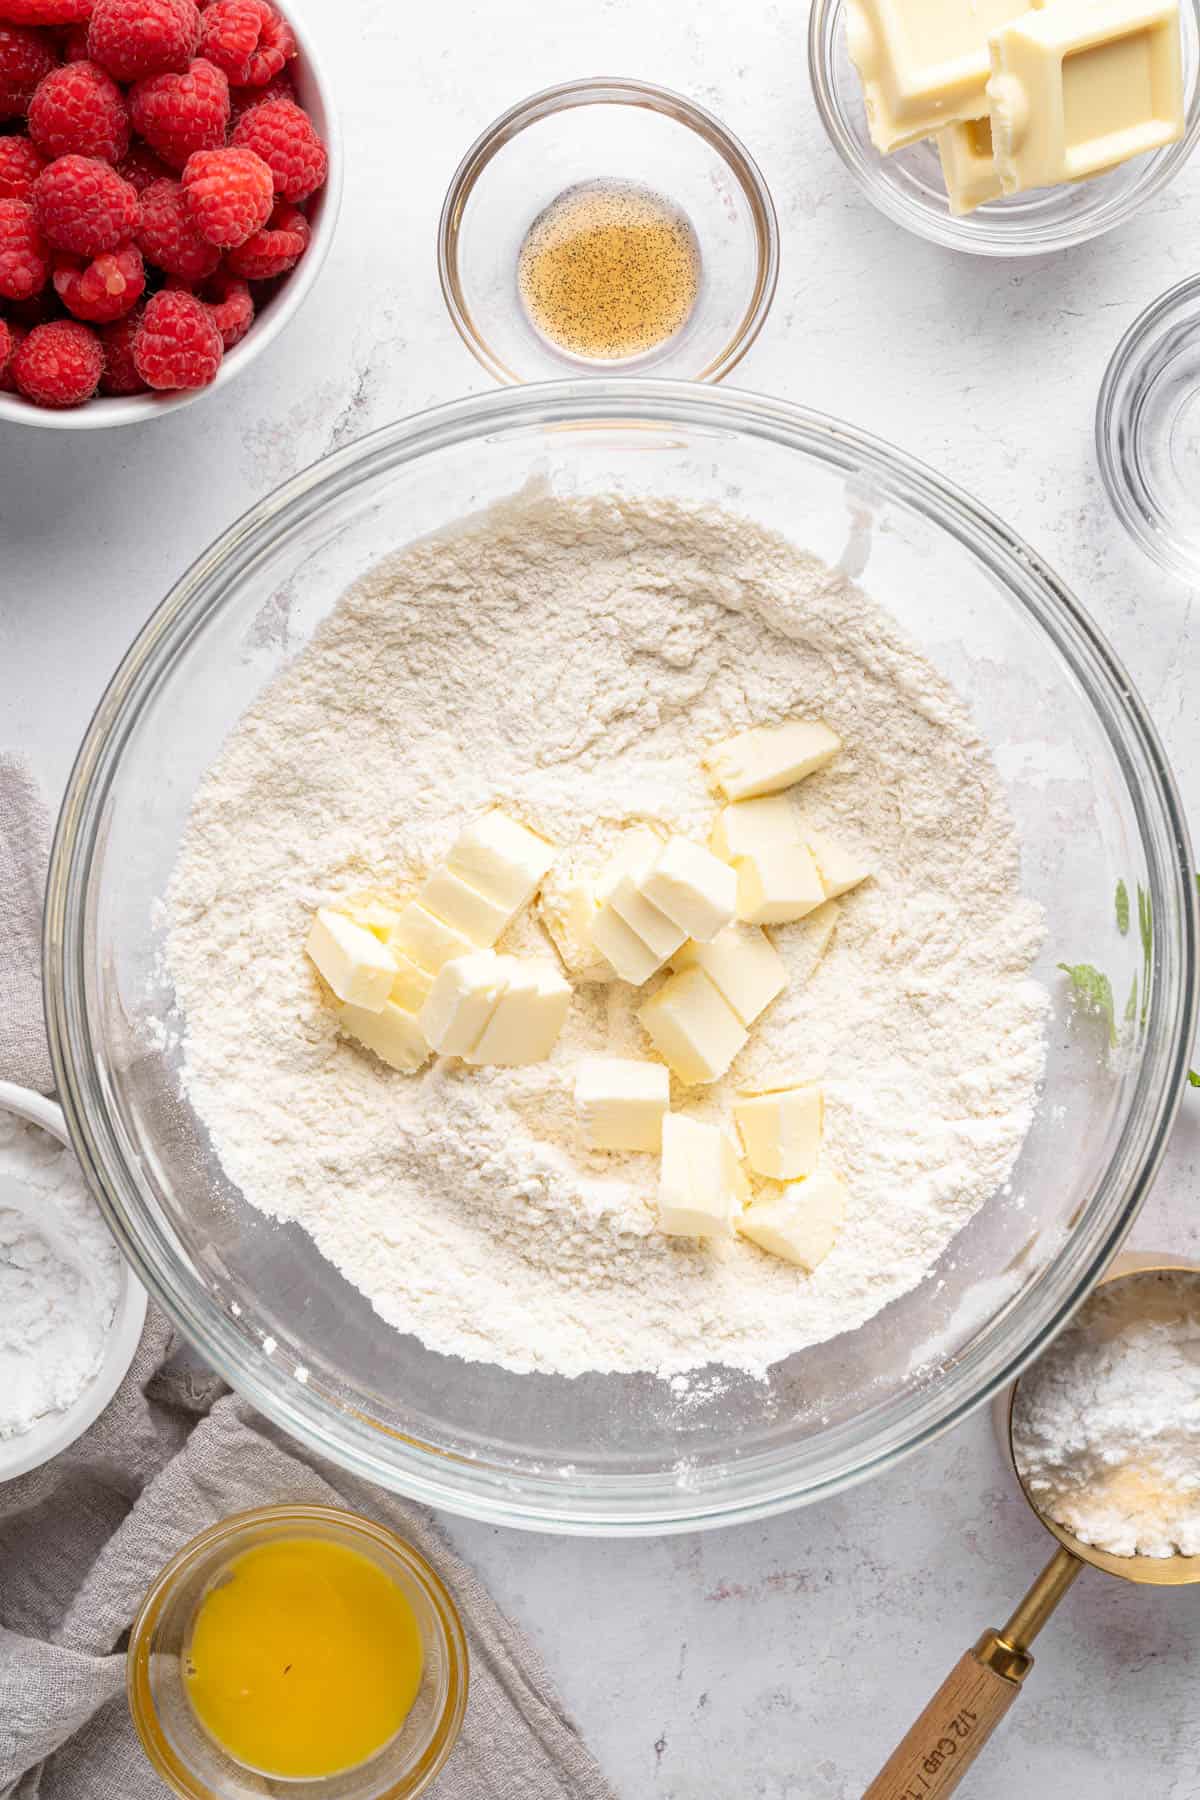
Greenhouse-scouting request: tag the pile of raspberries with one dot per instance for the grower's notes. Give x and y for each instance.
(154, 165)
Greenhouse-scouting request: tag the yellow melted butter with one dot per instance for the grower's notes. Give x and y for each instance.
(304, 1658)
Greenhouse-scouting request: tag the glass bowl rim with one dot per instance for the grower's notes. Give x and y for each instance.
(960, 233)
(228, 1531)
(633, 1503)
(613, 90)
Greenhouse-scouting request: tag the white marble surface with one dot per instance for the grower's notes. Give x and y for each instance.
(778, 1660)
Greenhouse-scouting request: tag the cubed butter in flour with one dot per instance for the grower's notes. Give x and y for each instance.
(635, 851)
(458, 904)
(525, 1025)
(502, 859)
(777, 886)
(745, 826)
(692, 1026)
(411, 985)
(743, 964)
(462, 1000)
(694, 888)
(702, 1188)
(801, 1222)
(781, 1130)
(427, 940)
(659, 933)
(620, 1102)
(568, 911)
(632, 959)
(393, 1034)
(768, 758)
(356, 965)
(839, 869)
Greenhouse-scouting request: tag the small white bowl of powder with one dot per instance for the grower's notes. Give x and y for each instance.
(71, 1313)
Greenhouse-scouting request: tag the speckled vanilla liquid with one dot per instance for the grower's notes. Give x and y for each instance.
(609, 270)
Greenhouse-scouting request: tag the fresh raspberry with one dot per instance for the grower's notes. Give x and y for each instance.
(45, 12)
(283, 136)
(73, 45)
(132, 38)
(6, 344)
(24, 257)
(230, 306)
(120, 376)
(82, 205)
(168, 236)
(141, 167)
(247, 39)
(275, 249)
(104, 289)
(177, 114)
(229, 194)
(79, 110)
(241, 99)
(16, 337)
(178, 345)
(26, 56)
(59, 364)
(20, 165)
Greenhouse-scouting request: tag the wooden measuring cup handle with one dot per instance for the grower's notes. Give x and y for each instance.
(940, 1747)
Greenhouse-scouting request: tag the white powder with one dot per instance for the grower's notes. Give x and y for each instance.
(1106, 1427)
(60, 1276)
(570, 659)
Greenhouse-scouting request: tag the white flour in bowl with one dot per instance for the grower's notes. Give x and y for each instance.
(570, 659)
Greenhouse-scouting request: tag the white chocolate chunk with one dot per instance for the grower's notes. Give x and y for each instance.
(744, 966)
(462, 1000)
(1081, 85)
(533, 1008)
(837, 867)
(501, 859)
(768, 758)
(777, 886)
(693, 1027)
(463, 907)
(393, 1034)
(358, 968)
(701, 1189)
(968, 166)
(695, 890)
(923, 63)
(568, 912)
(781, 1130)
(411, 985)
(636, 850)
(745, 826)
(799, 1224)
(427, 940)
(632, 959)
(621, 1102)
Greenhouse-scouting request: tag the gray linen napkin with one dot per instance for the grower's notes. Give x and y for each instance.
(82, 1537)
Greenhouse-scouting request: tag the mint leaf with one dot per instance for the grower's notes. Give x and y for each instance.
(1122, 908)
(1094, 991)
(1131, 1003)
(1193, 1078)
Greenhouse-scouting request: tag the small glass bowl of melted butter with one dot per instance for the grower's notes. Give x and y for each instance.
(608, 226)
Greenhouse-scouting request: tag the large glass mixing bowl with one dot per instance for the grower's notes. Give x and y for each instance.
(1094, 802)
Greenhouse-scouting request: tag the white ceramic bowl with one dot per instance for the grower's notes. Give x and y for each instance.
(59, 1430)
(312, 86)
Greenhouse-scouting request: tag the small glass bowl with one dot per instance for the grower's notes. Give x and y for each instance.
(1148, 430)
(612, 130)
(192, 1764)
(908, 186)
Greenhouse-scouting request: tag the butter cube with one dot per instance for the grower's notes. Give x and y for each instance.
(838, 869)
(621, 1102)
(462, 1000)
(693, 888)
(393, 1034)
(358, 968)
(968, 166)
(749, 825)
(693, 1027)
(636, 850)
(411, 985)
(1081, 85)
(923, 63)
(781, 1130)
(568, 912)
(701, 1189)
(374, 911)
(660, 934)
(743, 965)
(427, 940)
(502, 860)
(458, 904)
(768, 758)
(799, 1224)
(777, 886)
(632, 959)
(533, 1008)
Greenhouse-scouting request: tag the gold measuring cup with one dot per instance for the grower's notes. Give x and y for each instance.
(940, 1747)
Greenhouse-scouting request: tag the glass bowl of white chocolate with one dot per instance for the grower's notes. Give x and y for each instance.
(1033, 129)
(516, 1398)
